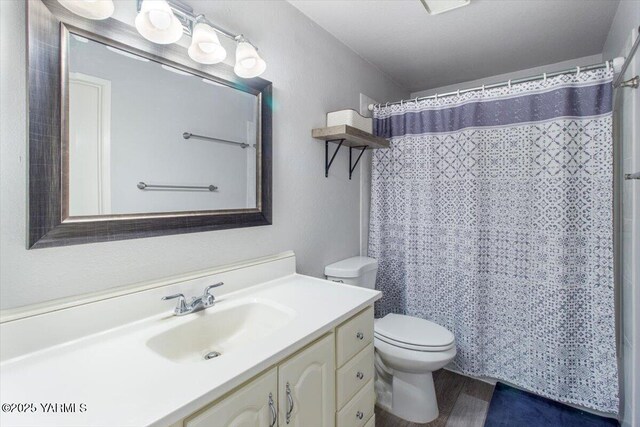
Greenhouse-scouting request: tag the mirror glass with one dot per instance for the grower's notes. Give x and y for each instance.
(148, 138)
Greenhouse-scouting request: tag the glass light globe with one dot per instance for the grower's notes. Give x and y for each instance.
(248, 62)
(90, 9)
(161, 19)
(205, 46)
(157, 23)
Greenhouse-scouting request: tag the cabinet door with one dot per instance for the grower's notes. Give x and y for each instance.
(306, 382)
(254, 405)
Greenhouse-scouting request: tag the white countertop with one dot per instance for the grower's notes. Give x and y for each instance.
(122, 382)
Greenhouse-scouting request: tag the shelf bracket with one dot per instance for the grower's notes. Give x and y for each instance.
(327, 162)
(352, 167)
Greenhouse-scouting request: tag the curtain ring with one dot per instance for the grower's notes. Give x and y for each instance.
(436, 96)
(482, 88)
(387, 104)
(577, 71)
(458, 92)
(401, 103)
(416, 101)
(608, 66)
(509, 83)
(544, 77)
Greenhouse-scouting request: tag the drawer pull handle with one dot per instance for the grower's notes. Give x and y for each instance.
(274, 414)
(290, 403)
(359, 375)
(359, 415)
(360, 335)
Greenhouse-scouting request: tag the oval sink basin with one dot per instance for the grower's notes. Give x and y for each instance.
(217, 331)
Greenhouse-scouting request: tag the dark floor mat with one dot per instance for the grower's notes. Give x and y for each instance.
(517, 408)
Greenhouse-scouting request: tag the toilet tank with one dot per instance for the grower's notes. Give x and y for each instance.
(358, 271)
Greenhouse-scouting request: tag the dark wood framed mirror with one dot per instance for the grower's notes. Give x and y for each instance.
(63, 206)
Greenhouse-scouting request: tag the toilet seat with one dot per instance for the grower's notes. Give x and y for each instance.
(413, 333)
(407, 346)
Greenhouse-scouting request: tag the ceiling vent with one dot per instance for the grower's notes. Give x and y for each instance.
(435, 7)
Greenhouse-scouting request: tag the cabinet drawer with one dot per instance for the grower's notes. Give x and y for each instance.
(371, 422)
(353, 375)
(357, 412)
(353, 336)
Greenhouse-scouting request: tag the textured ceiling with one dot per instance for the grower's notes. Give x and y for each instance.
(485, 38)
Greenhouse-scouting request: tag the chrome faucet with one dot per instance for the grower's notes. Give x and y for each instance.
(196, 304)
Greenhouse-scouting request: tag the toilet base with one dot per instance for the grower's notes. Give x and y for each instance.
(414, 397)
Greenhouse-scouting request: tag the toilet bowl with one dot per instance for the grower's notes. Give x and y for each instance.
(407, 350)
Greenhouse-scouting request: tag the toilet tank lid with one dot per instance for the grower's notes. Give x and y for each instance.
(351, 267)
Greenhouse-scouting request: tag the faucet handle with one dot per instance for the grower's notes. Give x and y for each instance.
(182, 302)
(215, 285)
(209, 298)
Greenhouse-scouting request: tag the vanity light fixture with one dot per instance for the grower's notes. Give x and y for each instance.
(156, 22)
(205, 45)
(248, 62)
(164, 22)
(90, 9)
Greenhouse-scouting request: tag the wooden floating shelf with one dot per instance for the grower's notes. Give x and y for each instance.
(353, 137)
(350, 137)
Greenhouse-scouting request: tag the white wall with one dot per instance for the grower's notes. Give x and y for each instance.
(627, 111)
(528, 72)
(318, 218)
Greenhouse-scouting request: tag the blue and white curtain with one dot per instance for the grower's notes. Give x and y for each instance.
(491, 215)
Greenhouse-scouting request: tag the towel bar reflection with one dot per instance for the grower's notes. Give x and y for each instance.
(188, 135)
(144, 186)
(632, 175)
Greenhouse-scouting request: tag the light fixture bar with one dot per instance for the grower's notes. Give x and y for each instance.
(188, 19)
(222, 31)
(205, 47)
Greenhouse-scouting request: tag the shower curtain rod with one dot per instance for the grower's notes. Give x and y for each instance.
(542, 76)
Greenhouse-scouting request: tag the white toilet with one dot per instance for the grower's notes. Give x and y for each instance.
(408, 350)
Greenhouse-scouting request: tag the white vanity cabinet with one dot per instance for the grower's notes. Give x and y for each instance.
(272, 326)
(355, 394)
(328, 383)
(299, 392)
(354, 335)
(253, 405)
(306, 396)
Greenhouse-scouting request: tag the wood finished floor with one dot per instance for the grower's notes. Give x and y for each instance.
(463, 402)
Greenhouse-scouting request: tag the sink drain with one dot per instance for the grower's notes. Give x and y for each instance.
(211, 355)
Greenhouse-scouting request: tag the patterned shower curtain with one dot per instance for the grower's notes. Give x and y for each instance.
(491, 215)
